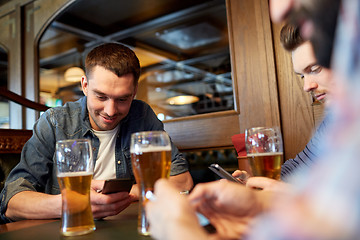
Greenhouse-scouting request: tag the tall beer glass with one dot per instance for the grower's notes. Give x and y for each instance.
(264, 148)
(74, 172)
(151, 160)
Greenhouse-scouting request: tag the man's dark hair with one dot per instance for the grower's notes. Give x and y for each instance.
(323, 14)
(290, 37)
(114, 57)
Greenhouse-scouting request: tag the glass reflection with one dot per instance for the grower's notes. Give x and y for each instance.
(183, 49)
(177, 92)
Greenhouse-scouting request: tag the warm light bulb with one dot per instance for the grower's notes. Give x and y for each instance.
(182, 100)
(73, 74)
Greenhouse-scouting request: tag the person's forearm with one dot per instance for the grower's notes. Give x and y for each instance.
(182, 181)
(33, 205)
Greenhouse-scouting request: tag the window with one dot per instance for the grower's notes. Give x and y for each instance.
(183, 48)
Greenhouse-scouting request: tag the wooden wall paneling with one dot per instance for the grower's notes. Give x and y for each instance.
(253, 63)
(252, 70)
(38, 15)
(296, 112)
(10, 39)
(319, 113)
(11, 5)
(45, 12)
(16, 78)
(31, 87)
(254, 81)
(12, 141)
(208, 131)
(23, 22)
(7, 22)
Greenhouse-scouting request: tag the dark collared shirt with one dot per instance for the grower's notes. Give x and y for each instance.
(36, 170)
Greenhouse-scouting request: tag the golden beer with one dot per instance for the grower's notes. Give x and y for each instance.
(266, 164)
(77, 216)
(149, 165)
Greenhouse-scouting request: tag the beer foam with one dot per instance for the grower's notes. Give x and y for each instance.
(138, 149)
(74, 174)
(264, 154)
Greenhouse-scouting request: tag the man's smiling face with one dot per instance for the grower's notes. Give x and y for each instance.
(109, 97)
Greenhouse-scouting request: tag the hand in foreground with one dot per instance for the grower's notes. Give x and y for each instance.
(104, 205)
(171, 216)
(241, 174)
(263, 183)
(268, 184)
(229, 206)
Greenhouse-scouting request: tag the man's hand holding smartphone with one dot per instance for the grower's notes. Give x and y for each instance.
(104, 205)
(117, 185)
(224, 174)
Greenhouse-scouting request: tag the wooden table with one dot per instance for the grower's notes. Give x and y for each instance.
(121, 226)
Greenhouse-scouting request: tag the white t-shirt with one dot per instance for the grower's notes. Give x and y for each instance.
(105, 162)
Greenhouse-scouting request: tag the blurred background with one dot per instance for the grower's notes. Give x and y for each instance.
(183, 49)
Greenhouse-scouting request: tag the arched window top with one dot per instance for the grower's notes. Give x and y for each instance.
(183, 48)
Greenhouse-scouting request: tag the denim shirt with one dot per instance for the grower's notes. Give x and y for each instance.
(36, 170)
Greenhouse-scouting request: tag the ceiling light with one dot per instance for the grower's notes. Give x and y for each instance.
(182, 100)
(73, 74)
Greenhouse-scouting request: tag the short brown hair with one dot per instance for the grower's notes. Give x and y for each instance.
(114, 57)
(290, 37)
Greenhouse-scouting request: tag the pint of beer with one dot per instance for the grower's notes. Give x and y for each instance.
(264, 149)
(151, 160)
(74, 172)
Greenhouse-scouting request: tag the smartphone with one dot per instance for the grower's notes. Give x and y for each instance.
(205, 223)
(224, 174)
(117, 185)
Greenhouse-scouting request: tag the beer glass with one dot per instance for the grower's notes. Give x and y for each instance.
(151, 160)
(264, 148)
(74, 173)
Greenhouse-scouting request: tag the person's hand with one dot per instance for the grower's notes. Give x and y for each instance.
(268, 184)
(103, 205)
(171, 216)
(229, 206)
(241, 175)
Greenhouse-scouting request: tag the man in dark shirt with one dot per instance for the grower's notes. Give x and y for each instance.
(108, 107)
